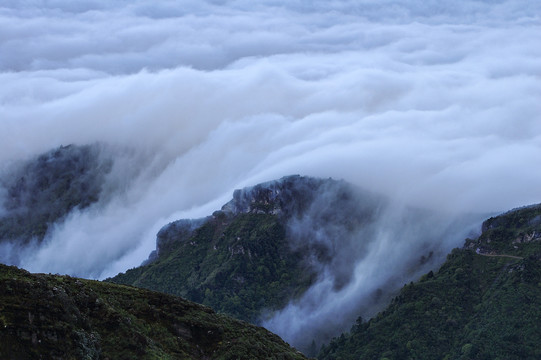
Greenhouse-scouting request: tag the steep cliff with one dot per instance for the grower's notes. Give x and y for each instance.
(258, 252)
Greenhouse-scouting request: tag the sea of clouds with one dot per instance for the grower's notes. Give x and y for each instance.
(435, 104)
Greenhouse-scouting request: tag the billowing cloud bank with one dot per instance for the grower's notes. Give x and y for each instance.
(433, 103)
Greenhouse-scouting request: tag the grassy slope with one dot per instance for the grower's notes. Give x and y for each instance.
(237, 265)
(59, 317)
(474, 307)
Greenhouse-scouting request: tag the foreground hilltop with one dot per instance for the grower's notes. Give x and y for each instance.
(59, 317)
(483, 303)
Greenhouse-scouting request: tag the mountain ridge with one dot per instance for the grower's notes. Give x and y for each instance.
(482, 303)
(42, 191)
(273, 241)
(61, 317)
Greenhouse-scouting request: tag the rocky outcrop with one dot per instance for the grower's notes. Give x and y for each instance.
(286, 196)
(510, 233)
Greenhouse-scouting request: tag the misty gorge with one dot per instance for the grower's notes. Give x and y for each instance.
(274, 180)
(302, 256)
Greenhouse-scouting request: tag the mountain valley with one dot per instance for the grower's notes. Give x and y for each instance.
(295, 246)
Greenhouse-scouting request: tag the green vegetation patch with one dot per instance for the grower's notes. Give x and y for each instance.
(517, 233)
(45, 316)
(483, 303)
(237, 265)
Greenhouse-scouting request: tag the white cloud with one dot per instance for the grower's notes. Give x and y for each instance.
(433, 103)
(395, 249)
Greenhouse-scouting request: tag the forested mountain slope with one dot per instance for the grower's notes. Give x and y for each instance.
(286, 251)
(60, 317)
(42, 191)
(483, 303)
(245, 257)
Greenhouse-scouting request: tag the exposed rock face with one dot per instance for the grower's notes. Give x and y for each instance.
(516, 232)
(173, 233)
(292, 196)
(286, 196)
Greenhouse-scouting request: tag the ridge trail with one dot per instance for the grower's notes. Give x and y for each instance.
(502, 255)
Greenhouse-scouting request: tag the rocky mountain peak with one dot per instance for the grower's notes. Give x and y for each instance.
(516, 233)
(286, 196)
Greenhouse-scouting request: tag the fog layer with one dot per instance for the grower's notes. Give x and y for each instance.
(433, 104)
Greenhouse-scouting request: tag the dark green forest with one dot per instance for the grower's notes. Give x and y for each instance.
(237, 265)
(246, 260)
(60, 317)
(483, 303)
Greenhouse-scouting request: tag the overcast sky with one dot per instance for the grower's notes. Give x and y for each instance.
(433, 103)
